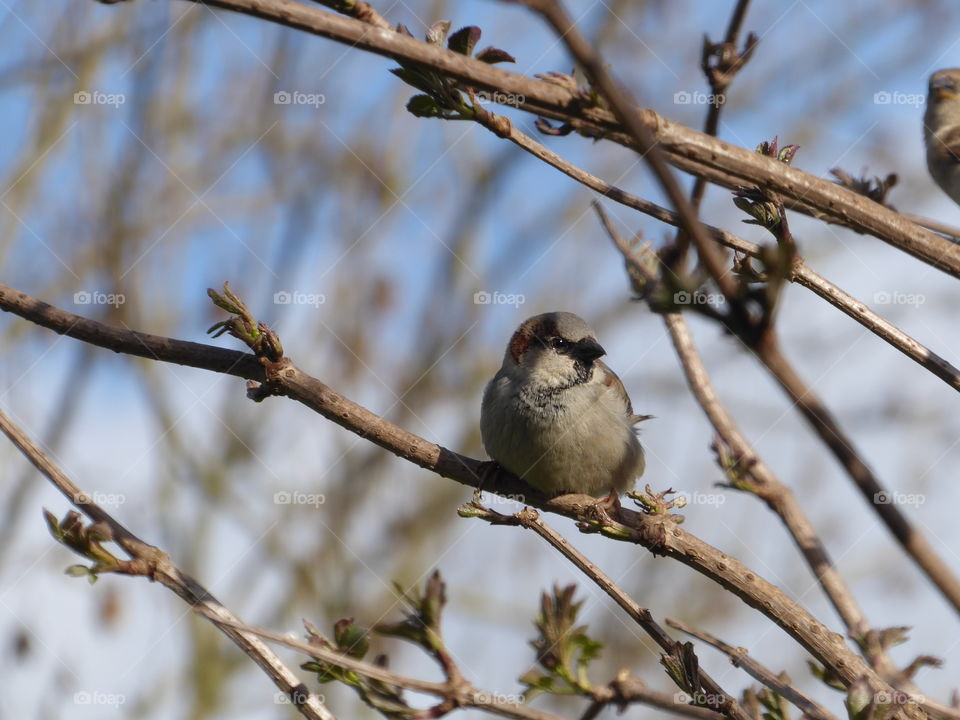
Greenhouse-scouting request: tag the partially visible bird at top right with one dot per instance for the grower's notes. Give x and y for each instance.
(941, 130)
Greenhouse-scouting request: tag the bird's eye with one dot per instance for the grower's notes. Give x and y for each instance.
(558, 343)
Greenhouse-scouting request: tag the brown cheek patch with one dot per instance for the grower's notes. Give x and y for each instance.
(536, 327)
(519, 343)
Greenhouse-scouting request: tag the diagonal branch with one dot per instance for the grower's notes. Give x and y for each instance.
(465, 696)
(801, 273)
(625, 110)
(699, 154)
(155, 564)
(659, 535)
(815, 412)
(531, 520)
(759, 479)
(740, 658)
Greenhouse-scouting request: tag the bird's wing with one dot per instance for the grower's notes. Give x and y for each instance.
(613, 382)
(947, 144)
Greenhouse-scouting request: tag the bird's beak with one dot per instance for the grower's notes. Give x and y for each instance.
(943, 88)
(588, 350)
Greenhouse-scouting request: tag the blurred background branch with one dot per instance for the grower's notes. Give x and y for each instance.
(156, 149)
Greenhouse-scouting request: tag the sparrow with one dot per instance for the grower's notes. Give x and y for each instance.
(941, 130)
(556, 416)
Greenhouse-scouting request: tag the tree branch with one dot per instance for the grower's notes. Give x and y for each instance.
(466, 695)
(826, 427)
(659, 535)
(740, 659)
(155, 564)
(625, 110)
(530, 519)
(726, 61)
(801, 273)
(754, 475)
(686, 149)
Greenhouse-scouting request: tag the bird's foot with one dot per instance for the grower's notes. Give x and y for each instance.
(608, 509)
(487, 473)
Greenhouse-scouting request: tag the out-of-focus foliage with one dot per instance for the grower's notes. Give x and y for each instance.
(154, 149)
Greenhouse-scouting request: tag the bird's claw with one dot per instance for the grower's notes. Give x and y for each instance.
(608, 509)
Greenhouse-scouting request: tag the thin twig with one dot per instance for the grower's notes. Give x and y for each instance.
(951, 231)
(778, 496)
(801, 274)
(625, 110)
(465, 694)
(740, 658)
(530, 519)
(156, 565)
(720, 81)
(829, 431)
(687, 149)
(627, 689)
(657, 534)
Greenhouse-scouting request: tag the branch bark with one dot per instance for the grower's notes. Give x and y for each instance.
(741, 659)
(659, 535)
(686, 149)
(801, 274)
(152, 562)
(759, 479)
(531, 520)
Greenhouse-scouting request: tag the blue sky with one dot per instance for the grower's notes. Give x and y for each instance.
(813, 81)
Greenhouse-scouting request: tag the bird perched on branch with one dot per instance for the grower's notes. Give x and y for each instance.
(941, 130)
(556, 416)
